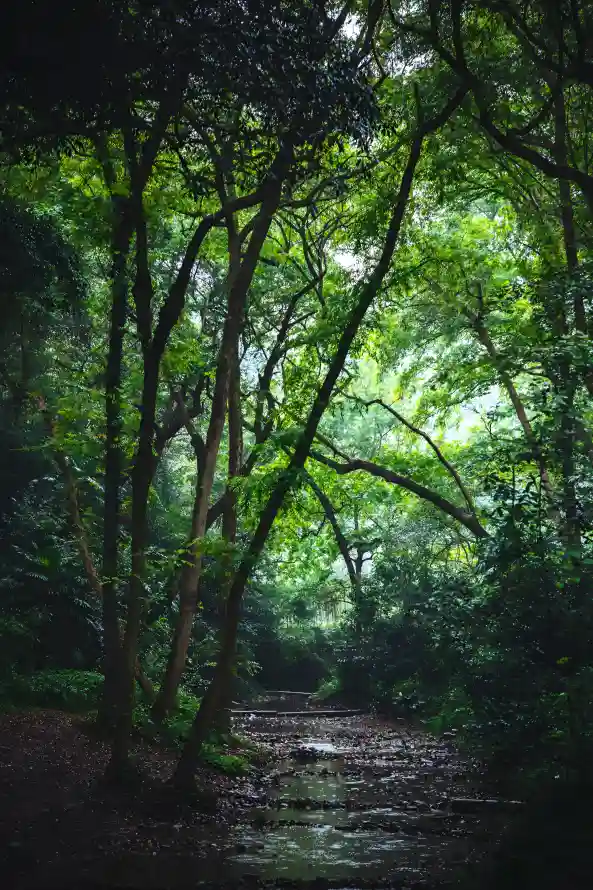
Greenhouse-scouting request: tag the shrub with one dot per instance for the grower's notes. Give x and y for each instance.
(231, 764)
(70, 690)
(328, 690)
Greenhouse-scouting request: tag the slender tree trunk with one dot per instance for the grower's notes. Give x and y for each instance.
(572, 527)
(566, 208)
(507, 382)
(572, 523)
(213, 699)
(153, 347)
(339, 535)
(190, 576)
(120, 248)
(357, 593)
(142, 474)
(229, 519)
(353, 566)
(357, 564)
(141, 481)
(121, 663)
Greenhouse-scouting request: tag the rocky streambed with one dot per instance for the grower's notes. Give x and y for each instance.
(358, 801)
(337, 801)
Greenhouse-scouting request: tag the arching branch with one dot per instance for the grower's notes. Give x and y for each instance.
(417, 431)
(330, 514)
(469, 520)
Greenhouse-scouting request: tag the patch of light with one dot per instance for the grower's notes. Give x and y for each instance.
(348, 261)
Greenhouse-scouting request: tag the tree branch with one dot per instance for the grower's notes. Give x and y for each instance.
(333, 521)
(469, 520)
(417, 431)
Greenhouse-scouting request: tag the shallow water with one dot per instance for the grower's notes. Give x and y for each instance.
(321, 746)
(342, 802)
(361, 810)
(320, 851)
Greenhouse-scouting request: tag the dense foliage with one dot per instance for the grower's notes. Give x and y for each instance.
(297, 365)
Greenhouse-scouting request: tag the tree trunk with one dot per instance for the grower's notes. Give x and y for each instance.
(229, 519)
(572, 523)
(214, 697)
(566, 208)
(128, 214)
(141, 481)
(572, 527)
(190, 576)
(120, 248)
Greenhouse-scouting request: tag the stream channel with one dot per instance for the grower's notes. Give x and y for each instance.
(339, 800)
(356, 801)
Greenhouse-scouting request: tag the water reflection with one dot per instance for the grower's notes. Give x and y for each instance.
(331, 818)
(300, 852)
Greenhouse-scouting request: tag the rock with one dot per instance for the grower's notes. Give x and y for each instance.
(477, 805)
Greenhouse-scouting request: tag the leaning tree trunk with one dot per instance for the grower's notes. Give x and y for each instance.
(214, 698)
(190, 576)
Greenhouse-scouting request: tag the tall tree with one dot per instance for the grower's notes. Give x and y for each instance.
(364, 296)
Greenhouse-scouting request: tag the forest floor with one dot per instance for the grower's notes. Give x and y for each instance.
(342, 802)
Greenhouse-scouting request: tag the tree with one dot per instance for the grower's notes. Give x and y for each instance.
(302, 324)
(367, 291)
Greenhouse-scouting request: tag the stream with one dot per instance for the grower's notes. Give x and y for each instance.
(339, 800)
(354, 799)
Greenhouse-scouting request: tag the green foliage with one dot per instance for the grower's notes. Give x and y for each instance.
(68, 690)
(18, 643)
(174, 730)
(231, 764)
(79, 692)
(468, 384)
(328, 690)
(500, 652)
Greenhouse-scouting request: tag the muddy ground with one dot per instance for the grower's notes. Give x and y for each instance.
(341, 802)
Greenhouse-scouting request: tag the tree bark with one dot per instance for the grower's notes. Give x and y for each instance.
(572, 526)
(153, 347)
(142, 473)
(229, 520)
